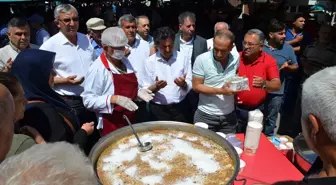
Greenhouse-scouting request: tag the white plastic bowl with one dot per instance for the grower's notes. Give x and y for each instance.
(221, 134)
(201, 124)
(239, 151)
(242, 165)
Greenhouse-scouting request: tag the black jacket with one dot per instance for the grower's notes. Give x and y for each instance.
(199, 46)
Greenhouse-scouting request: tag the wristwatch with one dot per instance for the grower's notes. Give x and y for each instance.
(264, 86)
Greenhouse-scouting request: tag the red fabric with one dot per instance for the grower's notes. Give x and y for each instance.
(266, 67)
(124, 85)
(267, 166)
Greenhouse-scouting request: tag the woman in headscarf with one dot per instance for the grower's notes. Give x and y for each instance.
(46, 111)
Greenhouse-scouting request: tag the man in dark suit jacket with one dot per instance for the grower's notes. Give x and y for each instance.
(186, 36)
(191, 45)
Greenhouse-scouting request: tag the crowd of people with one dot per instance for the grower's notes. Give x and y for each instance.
(75, 88)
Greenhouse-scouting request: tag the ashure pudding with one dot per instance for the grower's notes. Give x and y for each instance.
(177, 158)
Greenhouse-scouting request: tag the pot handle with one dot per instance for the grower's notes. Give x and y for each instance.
(242, 180)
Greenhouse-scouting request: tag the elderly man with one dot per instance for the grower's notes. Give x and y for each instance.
(261, 69)
(137, 52)
(111, 84)
(19, 39)
(95, 27)
(211, 73)
(222, 26)
(143, 28)
(318, 122)
(7, 110)
(74, 55)
(191, 45)
(284, 54)
(58, 163)
(168, 75)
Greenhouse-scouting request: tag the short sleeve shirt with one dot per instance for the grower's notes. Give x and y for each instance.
(215, 75)
(266, 67)
(282, 55)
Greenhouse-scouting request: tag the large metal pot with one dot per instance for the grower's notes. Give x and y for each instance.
(115, 136)
(304, 157)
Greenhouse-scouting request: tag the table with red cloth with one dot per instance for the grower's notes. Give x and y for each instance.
(267, 166)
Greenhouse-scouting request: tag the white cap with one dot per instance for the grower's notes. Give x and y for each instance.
(95, 24)
(114, 37)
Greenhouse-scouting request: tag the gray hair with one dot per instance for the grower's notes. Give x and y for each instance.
(225, 34)
(318, 99)
(127, 18)
(141, 17)
(53, 164)
(257, 32)
(227, 25)
(63, 8)
(186, 15)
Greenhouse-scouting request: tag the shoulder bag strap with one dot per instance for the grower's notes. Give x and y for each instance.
(64, 118)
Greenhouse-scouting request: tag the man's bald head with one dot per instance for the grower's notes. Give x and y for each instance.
(7, 110)
(221, 26)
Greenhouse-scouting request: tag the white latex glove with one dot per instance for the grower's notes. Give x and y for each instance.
(145, 94)
(126, 103)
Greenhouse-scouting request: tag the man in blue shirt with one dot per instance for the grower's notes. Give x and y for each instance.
(287, 63)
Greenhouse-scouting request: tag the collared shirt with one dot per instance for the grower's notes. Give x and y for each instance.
(290, 36)
(70, 60)
(150, 40)
(42, 36)
(139, 54)
(267, 68)
(177, 66)
(10, 51)
(215, 76)
(282, 55)
(187, 47)
(99, 88)
(97, 48)
(234, 50)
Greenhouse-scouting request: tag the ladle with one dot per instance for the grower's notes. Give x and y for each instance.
(142, 147)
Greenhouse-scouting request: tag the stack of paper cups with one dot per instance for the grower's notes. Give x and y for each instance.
(255, 115)
(252, 137)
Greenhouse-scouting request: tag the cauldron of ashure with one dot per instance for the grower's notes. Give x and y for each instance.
(180, 154)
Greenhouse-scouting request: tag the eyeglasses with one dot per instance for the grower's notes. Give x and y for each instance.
(68, 20)
(249, 44)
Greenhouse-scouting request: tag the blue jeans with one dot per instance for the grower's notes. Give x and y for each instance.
(273, 106)
(242, 116)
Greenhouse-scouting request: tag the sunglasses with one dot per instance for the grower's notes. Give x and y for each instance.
(68, 20)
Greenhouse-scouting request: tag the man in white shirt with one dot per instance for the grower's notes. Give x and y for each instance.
(191, 45)
(36, 23)
(19, 39)
(222, 26)
(211, 73)
(74, 55)
(168, 75)
(111, 84)
(143, 28)
(137, 51)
